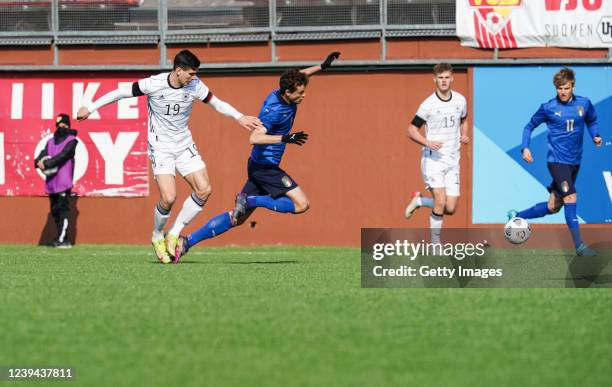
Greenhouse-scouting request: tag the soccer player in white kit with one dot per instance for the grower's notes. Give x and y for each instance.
(170, 97)
(443, 117)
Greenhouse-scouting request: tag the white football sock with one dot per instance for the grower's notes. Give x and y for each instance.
(435, 224)
(191, 208)
(425, 202)
(160, 218)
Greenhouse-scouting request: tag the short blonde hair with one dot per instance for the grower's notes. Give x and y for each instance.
(442, 67)
(564, 76)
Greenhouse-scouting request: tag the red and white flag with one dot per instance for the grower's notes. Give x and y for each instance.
(507, 24)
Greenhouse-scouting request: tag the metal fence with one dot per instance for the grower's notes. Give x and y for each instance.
(110, 18)
(25, 16)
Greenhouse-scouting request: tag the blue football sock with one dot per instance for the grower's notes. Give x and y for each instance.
(537, 211)
(216, 226)
(572, 222)
(282, 204)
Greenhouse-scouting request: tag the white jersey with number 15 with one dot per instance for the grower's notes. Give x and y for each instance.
(443, 120)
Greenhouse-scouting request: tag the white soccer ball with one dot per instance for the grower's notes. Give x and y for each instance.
(48, 171)
(517, 230)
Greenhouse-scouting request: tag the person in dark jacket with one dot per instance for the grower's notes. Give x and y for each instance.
(56, 161)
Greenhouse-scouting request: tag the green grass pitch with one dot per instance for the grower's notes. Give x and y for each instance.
(285, 316)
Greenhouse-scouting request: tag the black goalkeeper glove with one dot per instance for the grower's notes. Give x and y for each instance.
(298, 138)
(330, 58)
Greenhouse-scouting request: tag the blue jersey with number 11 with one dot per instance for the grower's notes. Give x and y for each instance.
(565, 122)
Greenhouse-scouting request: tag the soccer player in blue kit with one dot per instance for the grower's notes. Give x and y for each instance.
(267, 185)
(566, 116)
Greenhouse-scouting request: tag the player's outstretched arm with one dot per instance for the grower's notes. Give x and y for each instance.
(108, 98)
(248, 122)
(298, 138)
(259, 137)
(323, 66)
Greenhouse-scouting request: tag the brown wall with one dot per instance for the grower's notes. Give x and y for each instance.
(358, 168)
(28, 55)
(108, 55)
(226, 53)
(369, 49)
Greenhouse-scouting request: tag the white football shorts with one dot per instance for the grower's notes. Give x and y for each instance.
(440, 174)
(185, 161)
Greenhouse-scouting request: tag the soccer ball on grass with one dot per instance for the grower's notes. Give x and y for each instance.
(517, 230)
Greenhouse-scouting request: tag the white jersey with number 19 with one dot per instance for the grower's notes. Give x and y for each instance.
(169, 110)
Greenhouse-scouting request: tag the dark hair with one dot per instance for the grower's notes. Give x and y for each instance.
(564, 76)
(186, 60)
(442, 67)
(291, 79)
(62, 118)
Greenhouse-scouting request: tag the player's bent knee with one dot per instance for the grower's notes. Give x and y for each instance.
(450, 210)
(440, 202)
(203, 193)
(167, 201)
(570, 198)
(302, 206)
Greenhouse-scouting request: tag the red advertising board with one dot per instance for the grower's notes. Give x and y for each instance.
(111, 157)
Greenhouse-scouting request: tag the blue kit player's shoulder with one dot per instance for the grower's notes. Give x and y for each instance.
(270, 108)
(582, 100)
(277, 116)
(551, 103)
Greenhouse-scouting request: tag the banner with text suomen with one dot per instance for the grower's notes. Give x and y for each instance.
(519, 23)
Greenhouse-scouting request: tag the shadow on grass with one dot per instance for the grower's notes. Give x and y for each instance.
(263, 262)
(230, 263)
(180, 263)
(586, 272)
